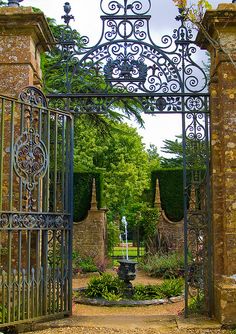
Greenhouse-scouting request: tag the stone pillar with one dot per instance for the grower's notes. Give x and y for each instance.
(23, 36)
(220, 24)
(89, 237)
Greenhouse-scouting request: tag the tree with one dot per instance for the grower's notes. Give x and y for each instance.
(103, 142)
(196, 151)
(153, 157)
(194, 13)
(174, 148)
(63, 74)
(121, 156)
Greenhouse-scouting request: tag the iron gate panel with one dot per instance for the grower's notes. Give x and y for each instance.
(36, 156)
(126, 64)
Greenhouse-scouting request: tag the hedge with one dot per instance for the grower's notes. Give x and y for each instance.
(171, 191)
(83, 192)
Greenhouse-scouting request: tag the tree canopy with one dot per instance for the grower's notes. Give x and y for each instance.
(105, 143)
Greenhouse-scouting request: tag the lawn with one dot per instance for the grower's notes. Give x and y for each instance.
(132, 251)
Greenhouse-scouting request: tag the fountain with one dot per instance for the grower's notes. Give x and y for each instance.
(127, 270)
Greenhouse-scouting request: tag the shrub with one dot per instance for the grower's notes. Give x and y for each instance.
(172, 287)
(112, 288)
(145, 292)
(105, 286)
(197, 304)
(166, 266)
(83, 264)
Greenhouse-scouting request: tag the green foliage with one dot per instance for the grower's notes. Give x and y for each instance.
(3, 314)
(172, 287)
(148, 222)
(132, 251)
(112, 288)
(171, 191)
(197, 304)
(146, 292)
(153, 157)
(175, 148)
(194, 11)
(166, 266)
(112, 296)
(113, 233)
(83, 264)
(122, 159)
(83, 191)
(196, 151)
(102, 143)
(104, 286)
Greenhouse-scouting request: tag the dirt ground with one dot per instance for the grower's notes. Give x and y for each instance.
(158, 319)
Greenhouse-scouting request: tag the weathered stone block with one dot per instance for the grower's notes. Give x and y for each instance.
(221, 26)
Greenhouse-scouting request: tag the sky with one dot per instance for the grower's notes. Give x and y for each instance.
(87, 22)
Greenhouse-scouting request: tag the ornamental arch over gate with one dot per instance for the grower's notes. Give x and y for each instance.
(126, 64)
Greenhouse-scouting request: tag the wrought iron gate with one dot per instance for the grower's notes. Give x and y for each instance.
(36, 160)
(127, 65)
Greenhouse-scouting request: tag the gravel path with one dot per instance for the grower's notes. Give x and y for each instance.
(127, 320)
(100, 330)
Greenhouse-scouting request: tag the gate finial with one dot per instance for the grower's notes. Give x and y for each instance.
(14, 3)
(67, 17)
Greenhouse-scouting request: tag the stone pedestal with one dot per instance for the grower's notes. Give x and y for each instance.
(220, 26)
(23, 36)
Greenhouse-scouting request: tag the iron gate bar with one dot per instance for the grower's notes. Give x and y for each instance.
(164, 79)
(123, 95)
(34, 231)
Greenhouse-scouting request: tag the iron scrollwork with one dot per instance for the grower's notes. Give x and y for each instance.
(30, 158)
(34, 221)
(33, 96)
(126, 60)
(124, 7)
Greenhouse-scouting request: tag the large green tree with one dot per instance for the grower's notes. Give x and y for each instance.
(103, 142)
(120, 155)
(196, 151)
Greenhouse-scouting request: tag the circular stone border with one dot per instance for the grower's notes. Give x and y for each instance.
(125, 302)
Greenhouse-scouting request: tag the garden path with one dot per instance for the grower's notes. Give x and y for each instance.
(158, 319)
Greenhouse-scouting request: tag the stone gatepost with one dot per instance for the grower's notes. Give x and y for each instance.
(220, 40)
(24, 34)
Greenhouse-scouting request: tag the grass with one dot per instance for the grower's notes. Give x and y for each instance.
(132, 251)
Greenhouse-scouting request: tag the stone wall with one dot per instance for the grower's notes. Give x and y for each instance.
(90, 234)
(220, 26)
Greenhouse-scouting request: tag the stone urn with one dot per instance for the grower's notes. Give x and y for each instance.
(127, 272)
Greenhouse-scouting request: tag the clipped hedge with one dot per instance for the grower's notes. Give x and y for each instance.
(83, 192)
(171, 191)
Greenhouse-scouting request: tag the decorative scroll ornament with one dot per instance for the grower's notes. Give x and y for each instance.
(34, 96)
(34, 221)
(125, 69)
(124, 7)
(30, 158)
